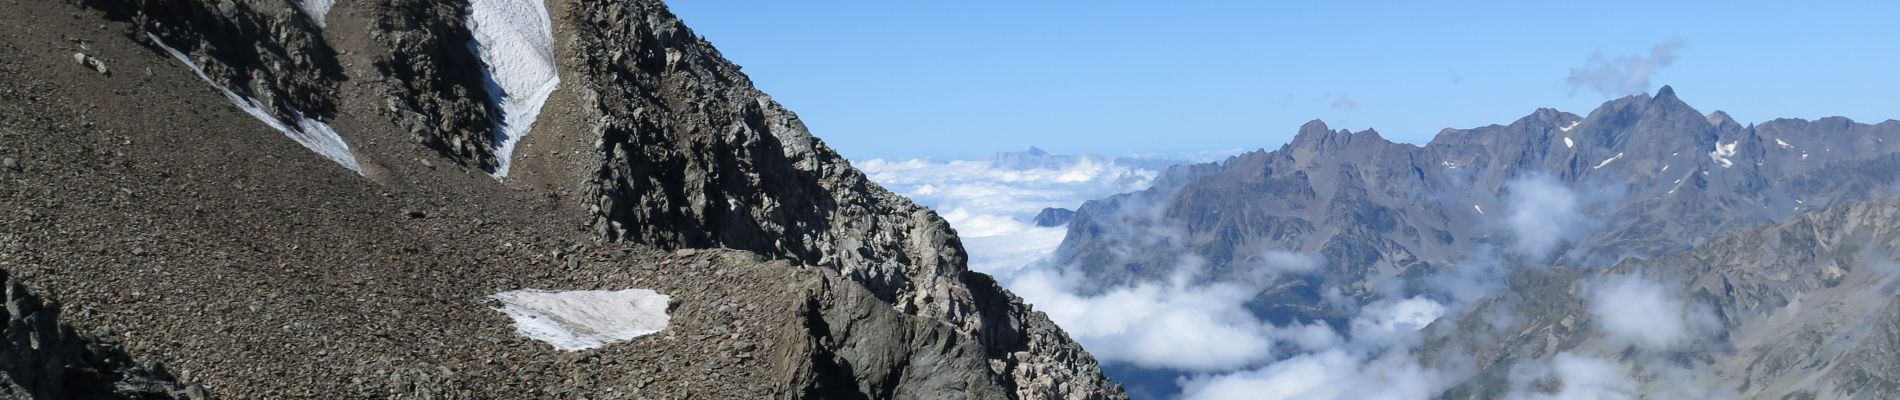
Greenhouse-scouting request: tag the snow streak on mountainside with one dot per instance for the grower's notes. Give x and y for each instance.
(319, 10)
(515, 41)
(312, 134)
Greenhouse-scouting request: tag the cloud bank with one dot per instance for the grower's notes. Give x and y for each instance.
(1543, 215)
(1648, 315)
(1623, 75)
(1569, 376)
(1187, 323)
(1199, 326)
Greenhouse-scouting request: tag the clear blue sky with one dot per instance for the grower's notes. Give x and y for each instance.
(967, 78)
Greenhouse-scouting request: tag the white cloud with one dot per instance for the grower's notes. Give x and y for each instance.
(1332, 374)
(1389, 322)
(1375, 362)
(1543, 214)
(1569, 376)
(1651, 316)
(1623, 75)
(991, 205)
(1186, 323)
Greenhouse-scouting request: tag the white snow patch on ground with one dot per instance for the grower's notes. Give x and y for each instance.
(1785, 145)
(1664, 169)
(515, 41)
(1573, 125)
(312, 134)
(1568, 143)
(317, 9)
(1723, 152)
(1608, 161)
(584, 319)
(1480, 209)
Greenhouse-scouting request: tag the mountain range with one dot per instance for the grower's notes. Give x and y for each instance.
(317, 199)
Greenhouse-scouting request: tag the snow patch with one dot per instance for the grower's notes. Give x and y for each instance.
(1573, 125)
(1608, 161)
(312, 134)
(1568, 143)
(1723, 152)
(1785, 145)
(515, 41)
(1480, 209)
(584, 319)
(319, 10)
(1665, 168)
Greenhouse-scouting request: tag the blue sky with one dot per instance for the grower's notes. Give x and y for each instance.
(948, 79)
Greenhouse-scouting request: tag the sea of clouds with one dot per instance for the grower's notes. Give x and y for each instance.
(1199, 332)
(991, 203)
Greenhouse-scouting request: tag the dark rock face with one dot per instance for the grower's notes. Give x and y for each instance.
(41, 358)
(432, 89)
(1052, 216)
(263, 49)
(736, 170)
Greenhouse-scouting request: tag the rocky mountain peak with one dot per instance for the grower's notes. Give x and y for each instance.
(1722, 121)
(1316, 137)
(1312, 131)
(1666, 92)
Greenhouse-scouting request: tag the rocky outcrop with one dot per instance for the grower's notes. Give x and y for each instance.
(431, 88)
(691, 155)
(1051, 217)
(42, 358)
(268, 50)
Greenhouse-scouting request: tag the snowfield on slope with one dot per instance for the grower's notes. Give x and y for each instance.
(319, 10)
(312, 134)
(584, 319)
(515, 41)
